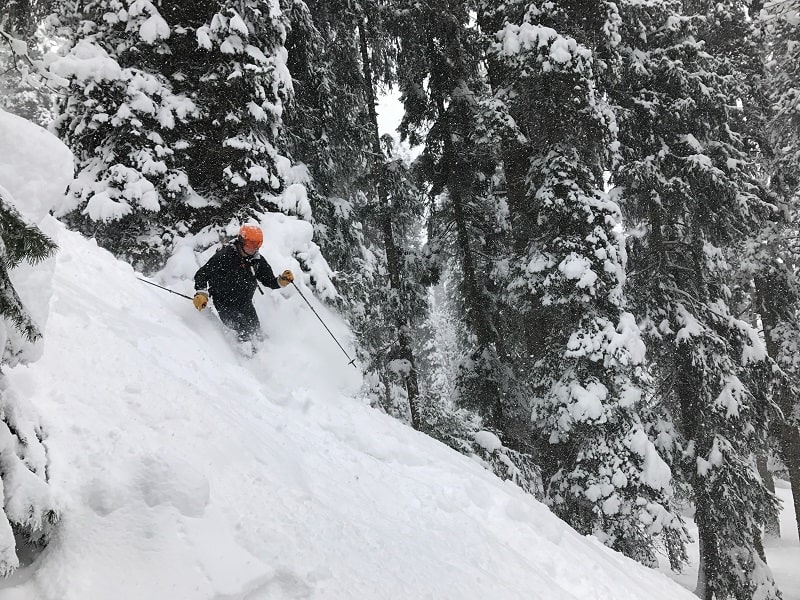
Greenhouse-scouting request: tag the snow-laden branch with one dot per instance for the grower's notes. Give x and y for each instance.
(33, 72)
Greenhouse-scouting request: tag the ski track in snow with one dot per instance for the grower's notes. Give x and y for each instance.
(185, 471)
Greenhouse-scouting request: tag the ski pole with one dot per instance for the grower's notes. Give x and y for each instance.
(352, 360)
(165, 288)
(258, 287)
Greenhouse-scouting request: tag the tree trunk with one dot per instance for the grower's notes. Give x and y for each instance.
(790, 443)
(476, 314)
(701, 590)
(516, 164)
(708, 558)
(687, 381)
(772, 528)
(390, 245)
(790, 434)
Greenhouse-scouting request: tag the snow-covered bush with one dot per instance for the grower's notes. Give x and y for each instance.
(29, 510)
(28, 507)
(33, 174)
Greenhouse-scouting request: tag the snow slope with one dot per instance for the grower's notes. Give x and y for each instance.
(783, 555)
(185, 471)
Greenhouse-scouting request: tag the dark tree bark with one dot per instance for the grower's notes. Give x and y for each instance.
(394, 266)
(768, 299)
(772, 528)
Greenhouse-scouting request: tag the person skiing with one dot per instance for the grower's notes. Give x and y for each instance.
(231, 277)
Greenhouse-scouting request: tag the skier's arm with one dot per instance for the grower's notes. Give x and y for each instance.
(206, 272)
(265, 275)
(201, 280)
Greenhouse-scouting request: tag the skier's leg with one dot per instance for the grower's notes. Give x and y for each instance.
(231, 317)
(250, 323)
(242, 319)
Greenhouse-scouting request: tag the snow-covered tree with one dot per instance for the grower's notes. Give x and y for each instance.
(21, 241)
(775, 251)
(440, 78)
(330, 126)
(173, 113)
(26, 84)
(392, 298)
(602, 473)
(327, 127)
(234, 51)
(690, 200)
(327, 122)
(118, 117)
(28, 507)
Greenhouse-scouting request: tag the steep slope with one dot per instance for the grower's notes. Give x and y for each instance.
(185, 471)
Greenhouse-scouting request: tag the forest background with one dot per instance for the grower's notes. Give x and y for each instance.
(586, 275)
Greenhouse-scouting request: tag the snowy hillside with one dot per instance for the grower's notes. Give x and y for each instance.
(183, 471)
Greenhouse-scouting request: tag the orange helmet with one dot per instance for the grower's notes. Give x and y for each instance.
(251, 238)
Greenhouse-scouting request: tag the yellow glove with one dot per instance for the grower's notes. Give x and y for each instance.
(200, 300)
(285, 278)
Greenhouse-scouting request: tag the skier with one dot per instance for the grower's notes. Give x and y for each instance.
(230, 278)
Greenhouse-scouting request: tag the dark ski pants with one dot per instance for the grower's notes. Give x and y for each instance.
(242, 319)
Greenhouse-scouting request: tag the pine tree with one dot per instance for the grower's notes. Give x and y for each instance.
(174, 116)
(602, 474)
(28, 508)
(21, 242)
(775, 252)
(328, 122)
(442, 87)
(689, 200)
(118, 118)
(236, 50)
(327, 127)
(396, 209)
(26, 85)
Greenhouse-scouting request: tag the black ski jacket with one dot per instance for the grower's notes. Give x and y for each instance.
(230, 278)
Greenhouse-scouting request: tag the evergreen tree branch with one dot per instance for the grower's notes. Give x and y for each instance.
(22, 240)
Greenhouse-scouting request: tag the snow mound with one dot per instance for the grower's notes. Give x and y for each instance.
(35, 166)
(35, 169)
